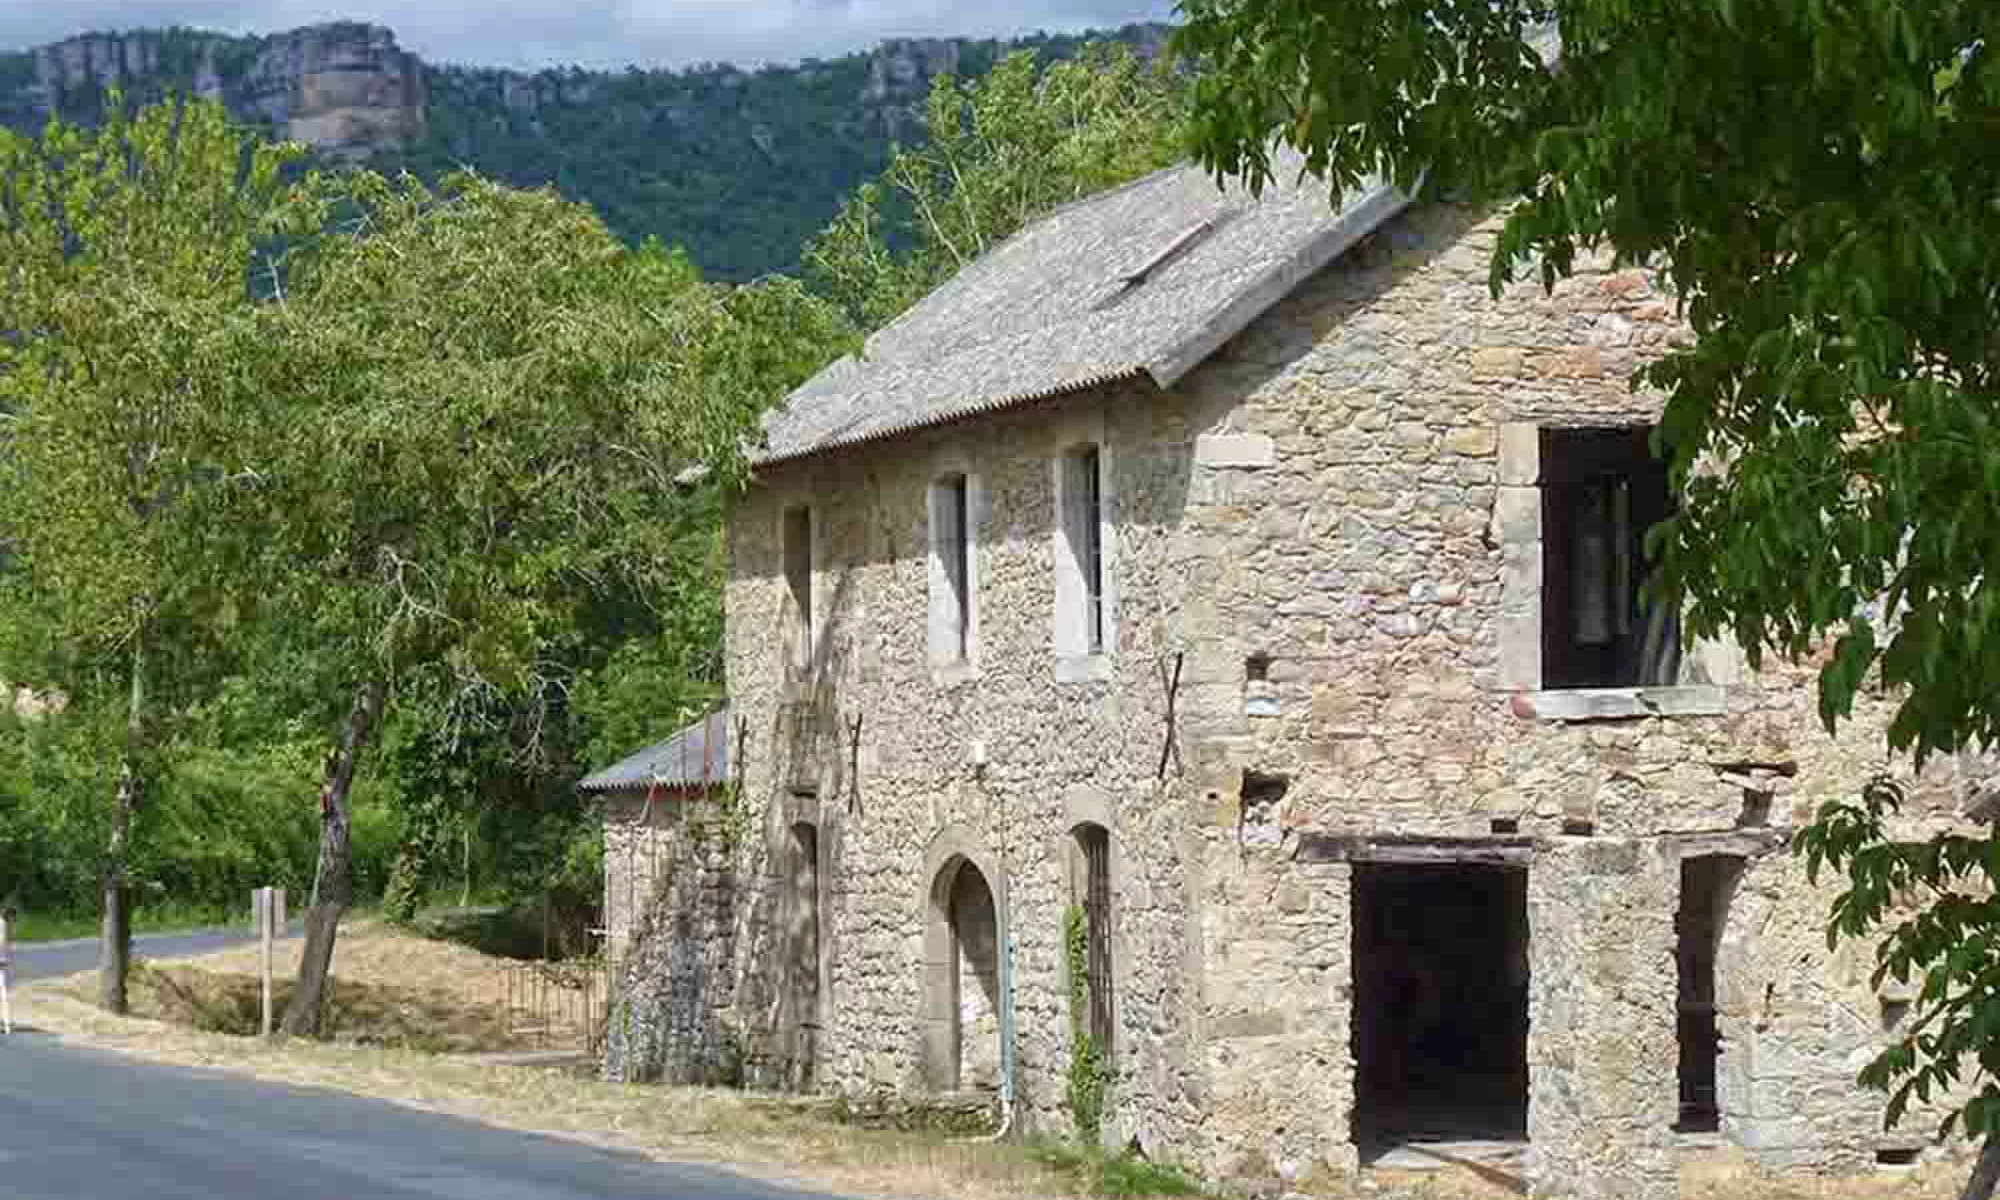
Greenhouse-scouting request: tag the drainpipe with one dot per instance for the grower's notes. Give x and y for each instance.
(1006, 1033)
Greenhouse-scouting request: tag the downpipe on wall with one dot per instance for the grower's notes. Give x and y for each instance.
(1006, 922)
(1006, 1037)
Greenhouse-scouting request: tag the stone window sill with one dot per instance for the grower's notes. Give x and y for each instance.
(955, 673)
(1083, 668)
(1613, 704)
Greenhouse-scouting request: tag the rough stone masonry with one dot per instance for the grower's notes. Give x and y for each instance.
(1372, 878)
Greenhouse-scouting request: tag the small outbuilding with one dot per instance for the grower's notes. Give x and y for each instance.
(646, 798)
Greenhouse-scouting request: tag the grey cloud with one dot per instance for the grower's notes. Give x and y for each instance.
(592, 33)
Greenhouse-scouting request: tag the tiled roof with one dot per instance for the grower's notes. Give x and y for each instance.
(1150, 278)
(696, 757)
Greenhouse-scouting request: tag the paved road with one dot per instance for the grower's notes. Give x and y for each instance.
(79, 1125)
(40, 960)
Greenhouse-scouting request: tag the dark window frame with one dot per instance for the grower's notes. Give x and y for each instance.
(1602, 491)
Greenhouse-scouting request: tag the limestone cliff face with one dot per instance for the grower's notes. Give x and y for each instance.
(739, 165)
(346, 90)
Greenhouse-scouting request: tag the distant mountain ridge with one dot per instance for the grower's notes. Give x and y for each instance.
(739, 166)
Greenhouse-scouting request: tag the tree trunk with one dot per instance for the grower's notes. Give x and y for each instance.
(335, 875)
(1985, 1172)
(114, 956)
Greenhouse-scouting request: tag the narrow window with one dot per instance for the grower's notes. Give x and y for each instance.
(1095, 844)
(798, 585)
(1083, 539)
(1602, 491)
(1707, 884)
(951, 578)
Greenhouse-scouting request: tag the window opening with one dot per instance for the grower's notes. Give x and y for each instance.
(1707, 885)
(1893, 1014)
(1094, 842)
(951, 510)
(1084, 532)
(1602, 490)
(799, 584)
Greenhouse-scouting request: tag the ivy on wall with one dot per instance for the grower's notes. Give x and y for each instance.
(1088, 1079)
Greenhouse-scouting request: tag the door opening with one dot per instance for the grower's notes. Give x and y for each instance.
(1707, 884)
(1440, 1003)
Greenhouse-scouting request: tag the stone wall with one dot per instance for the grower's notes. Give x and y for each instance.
(671, 896)
(1317, 574)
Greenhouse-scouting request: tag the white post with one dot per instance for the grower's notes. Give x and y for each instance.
(268, 904)
(6, 963)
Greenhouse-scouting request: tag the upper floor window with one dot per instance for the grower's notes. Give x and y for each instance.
(797, 537)
(1081, 604)
(1602, 490)
(952, 569)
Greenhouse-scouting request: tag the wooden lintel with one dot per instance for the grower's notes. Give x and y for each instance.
(1320, 848)
(1745, 843)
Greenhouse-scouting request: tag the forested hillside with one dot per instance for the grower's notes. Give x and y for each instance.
(739, 167)
(201, 777)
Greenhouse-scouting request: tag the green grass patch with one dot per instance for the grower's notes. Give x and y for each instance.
(1100, 1174)
(150, 918)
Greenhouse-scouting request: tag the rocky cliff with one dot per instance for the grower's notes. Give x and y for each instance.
(347, 90)
(739, 166)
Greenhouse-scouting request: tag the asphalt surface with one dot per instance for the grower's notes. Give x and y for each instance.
(40, 960)
(80, 1125)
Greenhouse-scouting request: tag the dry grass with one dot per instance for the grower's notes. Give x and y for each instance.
(403, 993)
(1733, 1178)
(393, 986)
(389, 989)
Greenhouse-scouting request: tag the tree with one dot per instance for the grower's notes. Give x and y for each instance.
(1820, 187)
(999, 152)
(482, 408)
(126, 255)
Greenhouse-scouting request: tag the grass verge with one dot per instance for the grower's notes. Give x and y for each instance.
(1099, 1174)
(163, 918)
(389, 989)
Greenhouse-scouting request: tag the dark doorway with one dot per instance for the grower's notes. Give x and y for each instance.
(974, 980)
(1440, 1003)
(1707, 884)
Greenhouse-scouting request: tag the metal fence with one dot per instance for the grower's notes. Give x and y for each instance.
(563, 1005)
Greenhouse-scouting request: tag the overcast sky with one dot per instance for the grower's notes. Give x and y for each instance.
(593, 33)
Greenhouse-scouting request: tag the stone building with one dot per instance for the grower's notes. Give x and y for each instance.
(670, 893)
(1244, 577)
